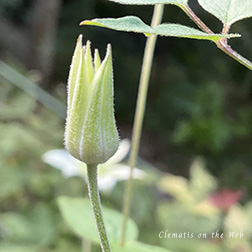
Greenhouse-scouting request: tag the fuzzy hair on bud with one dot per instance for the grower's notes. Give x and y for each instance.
(91, 134)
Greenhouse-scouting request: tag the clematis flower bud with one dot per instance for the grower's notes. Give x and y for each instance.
(91, 134)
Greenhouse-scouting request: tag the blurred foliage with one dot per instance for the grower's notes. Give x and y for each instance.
(30, 220)
(193, 212)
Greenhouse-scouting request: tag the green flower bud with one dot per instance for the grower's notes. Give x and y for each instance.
(91, 134)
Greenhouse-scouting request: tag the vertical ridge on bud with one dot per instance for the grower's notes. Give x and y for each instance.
(101, 105)
(73, 74)
(73, 80)
(91, 134)
(107, 102)
(97, 60)
(88, 63)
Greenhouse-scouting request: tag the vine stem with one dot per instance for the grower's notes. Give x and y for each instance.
(226, 48)
(221, 43)
(96, 207)
(139, 114)
(189, 12)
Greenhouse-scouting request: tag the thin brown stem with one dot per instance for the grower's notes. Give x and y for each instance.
(221, 43)
(189, 12)
(225, 29)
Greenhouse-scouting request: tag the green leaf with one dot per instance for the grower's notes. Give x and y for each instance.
(135, 24)
(178, 30)
(228, 11)
(128, 23)
(151, 2)
(139, 247)
(78, 215)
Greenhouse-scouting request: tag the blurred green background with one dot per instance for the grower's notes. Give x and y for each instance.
(199, 104)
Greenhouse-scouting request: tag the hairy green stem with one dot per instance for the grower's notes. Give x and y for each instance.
(139, 114)
(96, 207)
(221, 43)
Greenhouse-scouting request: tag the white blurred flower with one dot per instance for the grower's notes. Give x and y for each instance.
(109, 173)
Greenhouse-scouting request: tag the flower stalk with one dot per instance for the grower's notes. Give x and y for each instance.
(96, 207)
(91, 135)
(139, 114)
